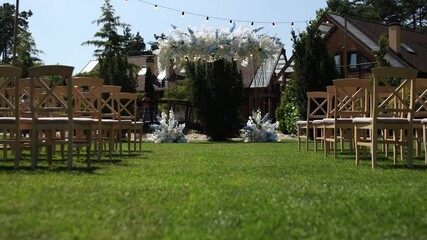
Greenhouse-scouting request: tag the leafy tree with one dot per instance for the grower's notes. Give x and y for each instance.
(287, 113)
(155, 44)
(111, 51)
(26, 50)
(314, 66)
(134, 44)
(216, 92)
(178, 91)
(413, 13)
(382, 51)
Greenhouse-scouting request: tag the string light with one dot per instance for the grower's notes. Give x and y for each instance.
(219, 18)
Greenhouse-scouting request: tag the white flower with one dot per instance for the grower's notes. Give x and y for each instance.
(210, 44)
(168, 130)
(259, 129)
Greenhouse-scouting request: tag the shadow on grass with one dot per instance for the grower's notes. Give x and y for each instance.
(383, 162)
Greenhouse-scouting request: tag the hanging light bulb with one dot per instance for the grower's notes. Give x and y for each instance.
(274, 25)
(207, 19)
(182, 14)
(155, 6)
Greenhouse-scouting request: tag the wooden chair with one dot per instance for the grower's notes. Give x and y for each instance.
(318, 129)
(10, 102)
(351, 99)
(401, 103)
(420, 112)
(52, 112)
(87, 104)
(316, 109)
(109, 109)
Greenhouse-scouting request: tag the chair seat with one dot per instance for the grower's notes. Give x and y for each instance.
(318, 122)
(382, 120)
(64, 120)
(339, 120)
(302, 122)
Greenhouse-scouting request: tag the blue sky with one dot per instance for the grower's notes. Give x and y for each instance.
(60, 26)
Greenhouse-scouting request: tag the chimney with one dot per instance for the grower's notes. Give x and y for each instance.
(394, 33)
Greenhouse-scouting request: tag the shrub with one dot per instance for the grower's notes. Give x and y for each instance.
(216, 92)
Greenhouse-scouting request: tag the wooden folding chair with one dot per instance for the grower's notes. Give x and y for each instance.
(87, 104)
(394, 113)
(10, 102)
(52, 112)
(351, 99)
(316, 109)
(128, 119)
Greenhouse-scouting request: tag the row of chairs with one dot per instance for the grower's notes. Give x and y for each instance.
(389, 109)
(55, 109)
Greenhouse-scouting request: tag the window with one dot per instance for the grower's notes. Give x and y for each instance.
(337, 59)
(352, 61)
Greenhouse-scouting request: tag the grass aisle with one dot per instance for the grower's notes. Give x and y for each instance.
(216, 191)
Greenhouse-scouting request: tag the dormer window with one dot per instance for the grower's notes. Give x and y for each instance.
(407, 48)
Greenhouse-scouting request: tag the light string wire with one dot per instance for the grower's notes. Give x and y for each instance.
(208, 17)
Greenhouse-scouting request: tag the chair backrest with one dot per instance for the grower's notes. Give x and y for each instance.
(49, 101)
(351, 98)
(420, 98)
(400, 82)
(108, 101)
(317, 103)
(87, 98)
(127, 106)
(9, 97)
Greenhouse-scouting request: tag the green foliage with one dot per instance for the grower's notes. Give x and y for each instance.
(148, 84)
(287, 113)
(112, 49)
(314, 66)
(412, 13)
(180, 90)
(382, 51)
(216, 92)
(26, 51)
(215, 191)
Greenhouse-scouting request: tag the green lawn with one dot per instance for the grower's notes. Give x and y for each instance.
(203, 190)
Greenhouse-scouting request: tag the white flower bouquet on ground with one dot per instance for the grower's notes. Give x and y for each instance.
(259, 129)
(168, 130)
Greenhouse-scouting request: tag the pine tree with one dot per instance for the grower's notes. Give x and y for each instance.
(113, 62)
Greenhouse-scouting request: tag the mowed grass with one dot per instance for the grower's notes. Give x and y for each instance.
(205, 190)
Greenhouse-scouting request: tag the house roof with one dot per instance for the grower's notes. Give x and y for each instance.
(367, 33)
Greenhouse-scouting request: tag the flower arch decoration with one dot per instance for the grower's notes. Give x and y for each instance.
(210, 44)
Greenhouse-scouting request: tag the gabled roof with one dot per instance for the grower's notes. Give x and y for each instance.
(367, 33)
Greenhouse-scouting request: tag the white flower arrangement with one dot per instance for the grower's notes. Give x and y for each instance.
(210, 44)
(259, 129)
(168, 130)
